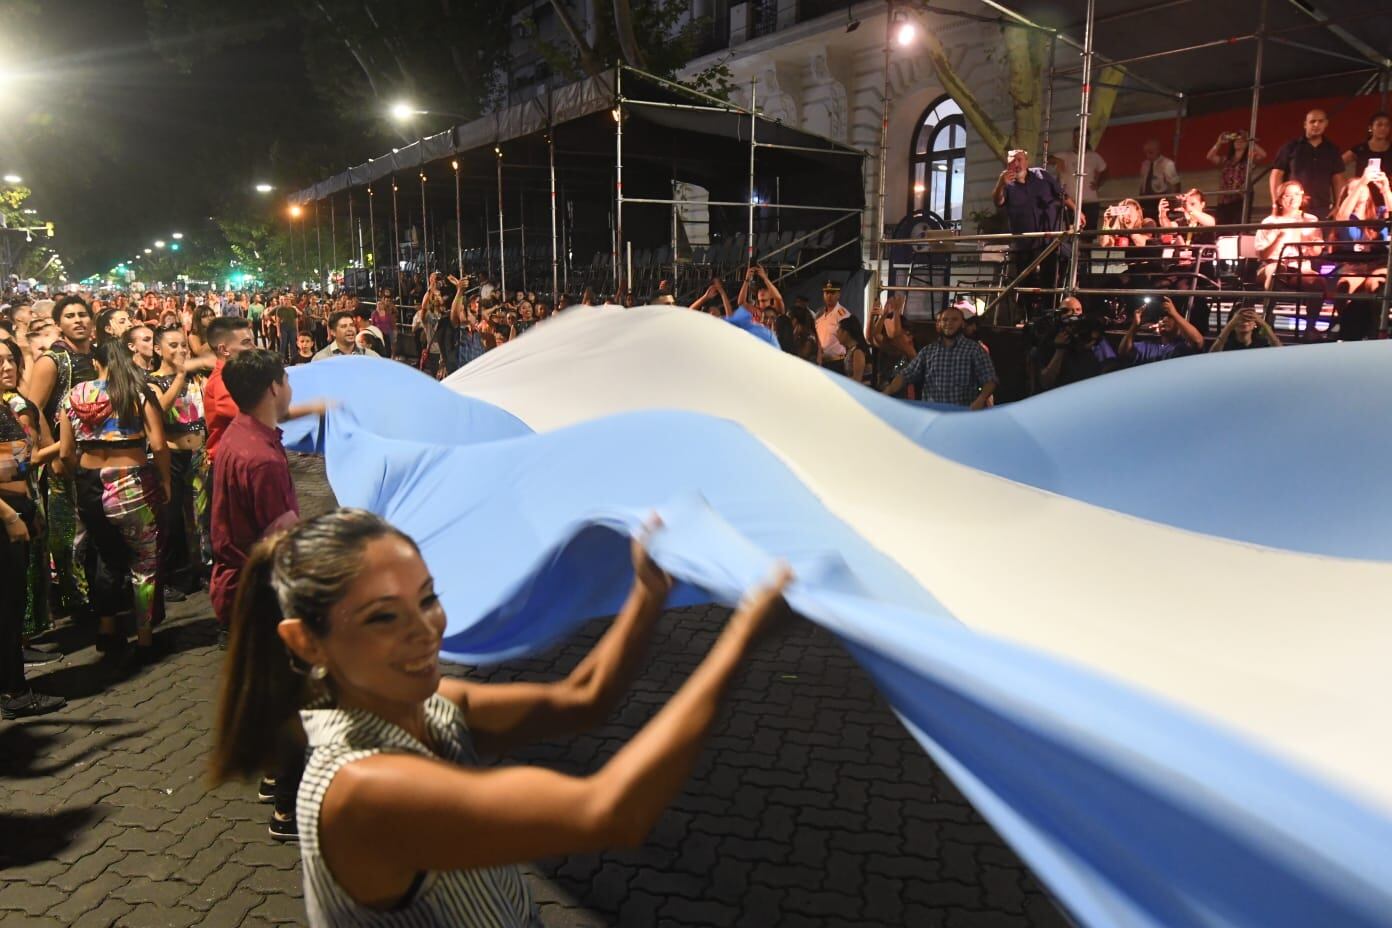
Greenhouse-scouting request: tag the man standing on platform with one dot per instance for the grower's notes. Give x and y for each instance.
(1096, 174)
(1033, 202)
(1159, 177)
(1315, 162)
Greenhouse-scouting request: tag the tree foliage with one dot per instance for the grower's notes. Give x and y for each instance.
(658, 36)
(359, 54)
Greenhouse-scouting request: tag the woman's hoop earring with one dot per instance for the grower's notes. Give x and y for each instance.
(319, 672)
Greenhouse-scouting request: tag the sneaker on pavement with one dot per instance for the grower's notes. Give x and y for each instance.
(35, 658)
(283, 829)
(266, 791)
(32, 703)
(174, 595)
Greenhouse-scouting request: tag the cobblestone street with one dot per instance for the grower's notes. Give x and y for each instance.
(810, 806)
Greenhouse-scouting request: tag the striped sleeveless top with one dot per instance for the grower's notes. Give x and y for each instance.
(495, 897)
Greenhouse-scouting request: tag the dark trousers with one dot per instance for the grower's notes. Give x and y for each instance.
(1357, 320)
(182, 559)
(287, 342)
(14, 589)
(290, 764)
(1029, 305)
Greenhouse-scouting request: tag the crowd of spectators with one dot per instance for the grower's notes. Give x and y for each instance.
(1166, 236)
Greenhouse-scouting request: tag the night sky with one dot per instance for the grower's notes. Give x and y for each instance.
(122, 147)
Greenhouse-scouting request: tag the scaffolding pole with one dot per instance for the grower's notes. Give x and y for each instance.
(318, 240)
(354, 233)
(326, 273)
(753, 147)
(372, 240)
(458, 222)
(555, 256)
(877, 229)
(618, 179)
(1252, 120)
(502, 242)
(423, 265)
(1049, 111)
(522, 233)
(396, 241)
(1085, 111)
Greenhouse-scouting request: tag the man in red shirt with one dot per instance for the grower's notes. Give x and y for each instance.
(228, 336)
(253, 494)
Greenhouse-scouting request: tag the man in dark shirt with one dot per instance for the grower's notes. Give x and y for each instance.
(1033, 202)
(1314, 161)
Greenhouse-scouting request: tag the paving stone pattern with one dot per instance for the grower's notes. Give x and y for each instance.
(810, 806)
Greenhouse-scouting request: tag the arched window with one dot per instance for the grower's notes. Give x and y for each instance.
(938, 161)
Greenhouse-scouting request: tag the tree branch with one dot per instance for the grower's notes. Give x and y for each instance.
(588, 60)
(628, 39)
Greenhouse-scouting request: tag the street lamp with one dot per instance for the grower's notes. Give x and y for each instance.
(13, 179)
(177, 236)
(159, 243)
(264, 188)
(148, 251)
(295, 211)
(402, 111)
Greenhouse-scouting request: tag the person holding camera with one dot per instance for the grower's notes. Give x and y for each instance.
(1177, 337)
(1186, 265)
(1229, 155)
(1247, 328)
(1364, 250)
(1072, 347)
(1033, 202)
(716, 288)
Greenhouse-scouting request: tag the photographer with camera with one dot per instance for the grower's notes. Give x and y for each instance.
(1241, 332)
(1072, 347)
(1177, 337)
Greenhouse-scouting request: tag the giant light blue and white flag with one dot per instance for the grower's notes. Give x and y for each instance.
(1141, 621)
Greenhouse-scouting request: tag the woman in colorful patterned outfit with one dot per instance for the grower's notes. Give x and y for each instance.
(21, 456)
(110, 427)
(22, 443)
(183, 521)
(66, 363)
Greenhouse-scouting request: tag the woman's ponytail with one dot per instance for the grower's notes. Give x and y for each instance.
(303, 572)
(260, 689)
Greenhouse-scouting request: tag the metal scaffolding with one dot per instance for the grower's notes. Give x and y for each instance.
(1375, 64)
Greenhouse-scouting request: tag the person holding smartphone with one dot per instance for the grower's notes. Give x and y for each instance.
(1365, 250)
(1246, 328)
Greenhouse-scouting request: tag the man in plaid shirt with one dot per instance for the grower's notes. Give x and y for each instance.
(954, 370)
